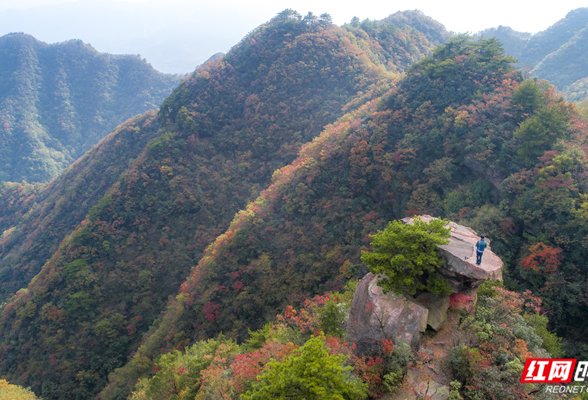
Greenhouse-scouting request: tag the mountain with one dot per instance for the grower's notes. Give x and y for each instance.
(464, 136)
(101, 280)
(557, 54)
(148, 261)
(401, 39)
(59, 100)
(36, 218)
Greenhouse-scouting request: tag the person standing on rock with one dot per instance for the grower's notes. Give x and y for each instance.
(480, 247)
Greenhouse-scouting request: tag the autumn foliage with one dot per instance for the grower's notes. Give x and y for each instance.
(231, 206)
(543, 257)
(111, 240)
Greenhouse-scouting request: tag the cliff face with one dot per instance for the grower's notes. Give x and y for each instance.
(375, 316)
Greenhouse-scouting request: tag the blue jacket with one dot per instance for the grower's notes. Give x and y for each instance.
(481, 245)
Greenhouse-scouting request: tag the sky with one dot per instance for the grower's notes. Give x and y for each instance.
(175, 36)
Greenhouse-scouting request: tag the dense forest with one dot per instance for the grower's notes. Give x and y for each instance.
(255, 187)
(463, 136)
(557, 54)
(303, 353)
(99, 280)
(59, 100)
(36, 218)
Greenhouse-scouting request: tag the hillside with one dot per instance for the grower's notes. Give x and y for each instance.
(59, 100)
(219, 138)
(401, 39)
(464, 136)
(36, 218)
(557, 54)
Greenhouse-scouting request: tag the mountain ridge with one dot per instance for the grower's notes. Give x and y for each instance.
(219, 137)
(58, 100)
(303, 235)
(556, 53)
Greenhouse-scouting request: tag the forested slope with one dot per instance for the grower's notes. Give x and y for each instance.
(462, 136)
(557, 54)
(219, 138)
(58, 100)
(401, 39)
(35, 219)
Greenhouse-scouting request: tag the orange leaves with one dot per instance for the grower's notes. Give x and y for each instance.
(304, 320)
(213, 380)
(246, 367)
(518, 301)
(403, 156)
(521, 349)
(359, 154)
(460, 59)
(388, 346)
(543, 257)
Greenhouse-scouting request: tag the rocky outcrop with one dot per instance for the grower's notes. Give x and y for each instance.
(430, 377)
(460, 267)
(375, 316)
(483, 170)
(437, 306)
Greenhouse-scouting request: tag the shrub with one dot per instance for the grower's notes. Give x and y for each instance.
(407, 256)
(310, 373)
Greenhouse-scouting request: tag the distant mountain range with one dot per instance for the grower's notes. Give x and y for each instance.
(59, 100)
(558, 54)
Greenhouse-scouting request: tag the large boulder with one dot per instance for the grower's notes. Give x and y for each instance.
(375, 316)
(437, 306)
(459, 255)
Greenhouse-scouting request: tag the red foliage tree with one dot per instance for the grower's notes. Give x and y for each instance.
(542, 255)
(210, 311)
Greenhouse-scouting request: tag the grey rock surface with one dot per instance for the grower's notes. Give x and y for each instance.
(483, 170)
(460, 258)
(426, 387)
(437, 306)
(375, 316)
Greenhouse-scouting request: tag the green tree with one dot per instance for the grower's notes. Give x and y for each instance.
(406, 256)
(325, 20)
(310, 373)
(528, 96)
(331, 317)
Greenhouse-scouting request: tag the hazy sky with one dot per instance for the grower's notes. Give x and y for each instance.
(177, 35)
